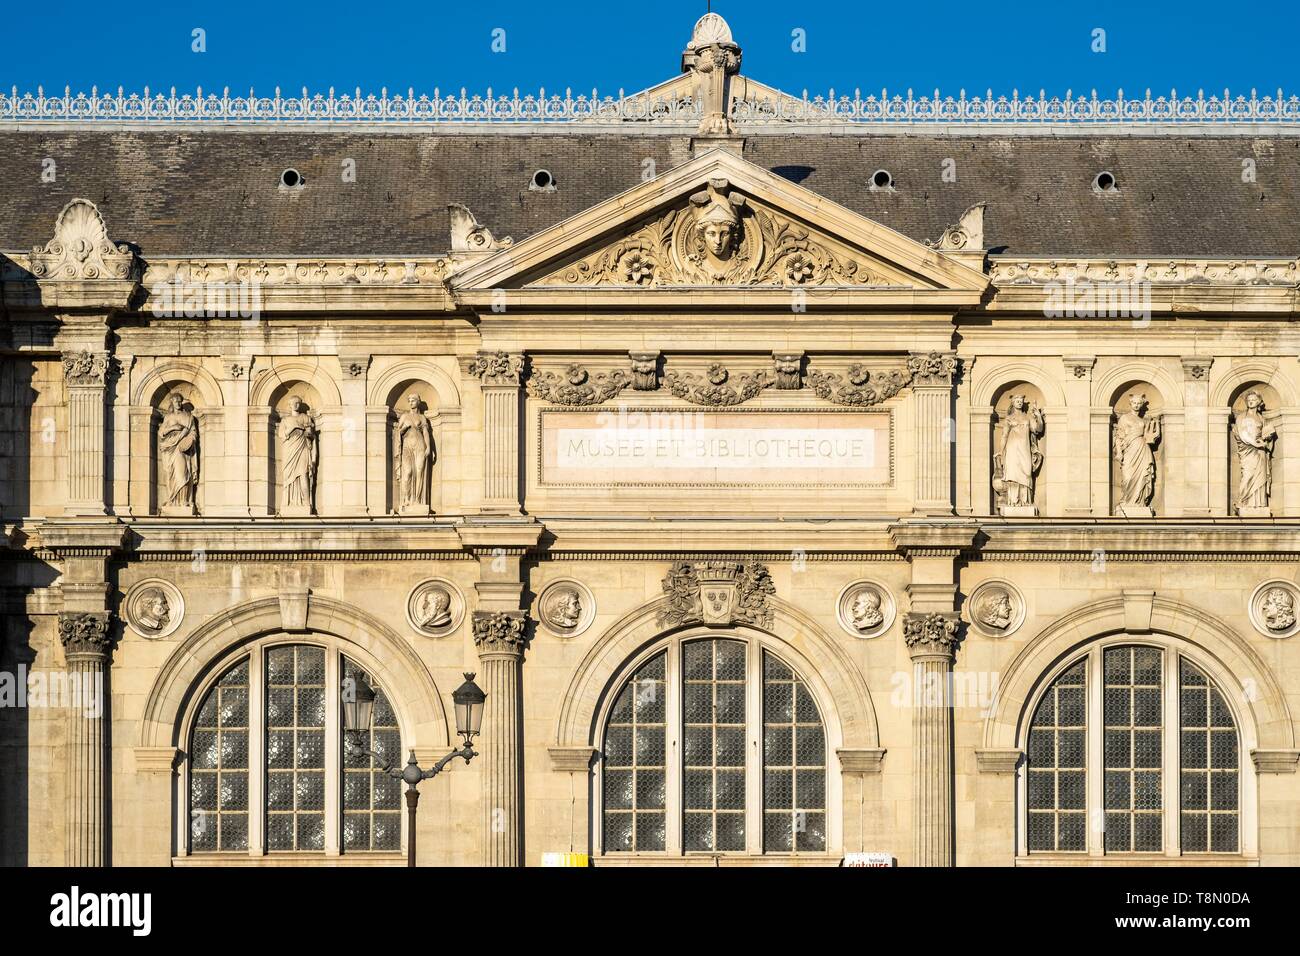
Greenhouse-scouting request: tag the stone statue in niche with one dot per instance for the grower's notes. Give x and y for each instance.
(1253, 439)
(866, 613)
(434, 608)
(1278, 609)
(1136, 438)
(413, 457)
(300, 445)
(1018, 458)
(178, 452)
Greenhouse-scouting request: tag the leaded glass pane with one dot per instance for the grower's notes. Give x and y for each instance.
(1133, 749)
(372, 817)
(635, 763)
(295, 749)
(1208, 762)
(1054, 772)
(713, 706)
(219, 766)
(794, 763)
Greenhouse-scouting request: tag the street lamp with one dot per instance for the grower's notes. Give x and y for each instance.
(359, 708)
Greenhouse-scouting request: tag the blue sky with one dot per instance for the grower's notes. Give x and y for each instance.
(1002, 45)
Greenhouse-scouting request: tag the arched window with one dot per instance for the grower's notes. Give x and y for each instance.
(269, 770)
(1132, 749)
(714, 746)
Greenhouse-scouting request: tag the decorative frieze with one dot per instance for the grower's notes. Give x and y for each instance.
(859, 386)
(1279, 272)
(715, 388)
(577, 386)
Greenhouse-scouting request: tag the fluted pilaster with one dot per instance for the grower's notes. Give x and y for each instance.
(932, 380)
(501, 637)
(87, 643)
(932, 641)
(86, 374)
(501, 374)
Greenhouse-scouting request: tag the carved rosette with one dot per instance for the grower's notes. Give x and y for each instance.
(500, 632)
(577, 386)
(935, 633)
(863, 387)
(81, 248)
(497, 368)
(718, 593)
(934, 368)
(87, 369)
(714, 389)
(86, 635)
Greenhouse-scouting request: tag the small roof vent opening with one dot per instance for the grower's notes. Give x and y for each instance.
(292, 179)
(542, 181)
(882, 179)
(1105, 182)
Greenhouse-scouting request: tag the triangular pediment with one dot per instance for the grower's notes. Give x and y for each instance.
(718, 222)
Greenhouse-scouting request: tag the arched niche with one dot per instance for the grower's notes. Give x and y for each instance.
(162, 464)
(1000, 402)
(1257, 459)
(280, 401)
(1122, 404)
(397, 401)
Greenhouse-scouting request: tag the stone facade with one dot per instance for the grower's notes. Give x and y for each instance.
(914, 482)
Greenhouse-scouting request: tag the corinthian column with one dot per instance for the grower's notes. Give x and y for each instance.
(87, 644)
(500, 374)
(932, 640)
(932, 379)
(501, 637)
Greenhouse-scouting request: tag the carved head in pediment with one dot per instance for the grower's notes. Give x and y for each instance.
(717, 228)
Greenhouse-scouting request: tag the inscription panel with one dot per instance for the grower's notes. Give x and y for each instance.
(649, 447)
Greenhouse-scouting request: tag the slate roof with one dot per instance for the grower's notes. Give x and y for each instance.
(216, 192)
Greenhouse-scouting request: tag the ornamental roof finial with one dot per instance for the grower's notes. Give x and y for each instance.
(714, 57)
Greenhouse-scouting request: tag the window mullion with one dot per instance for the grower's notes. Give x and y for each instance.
(1095, 733)
(673, 758)
(1172, 723)
(333, 740)
(753, 748)
(256, 753)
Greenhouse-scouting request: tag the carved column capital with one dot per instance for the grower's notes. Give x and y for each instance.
(497, 368)
(87, 369)
(932, 634)
(86, 635)
(500, 633)
(645, 370)
(934, 369)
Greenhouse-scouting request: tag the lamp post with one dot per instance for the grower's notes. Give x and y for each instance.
(359, 708)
